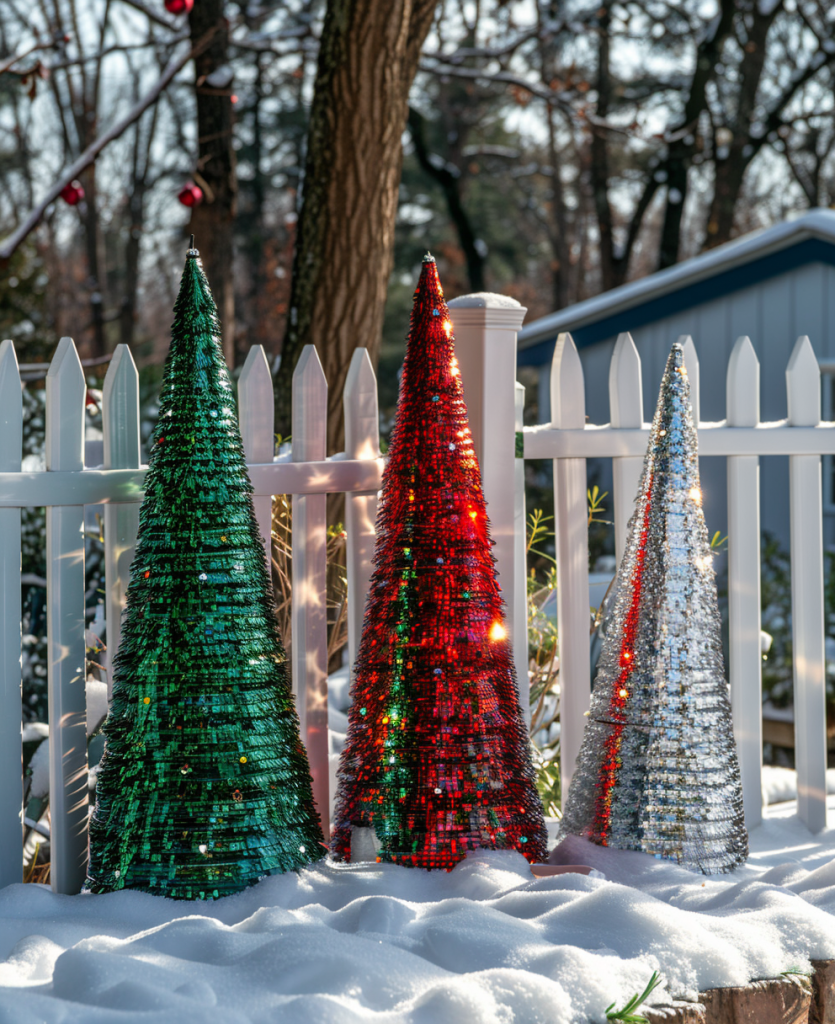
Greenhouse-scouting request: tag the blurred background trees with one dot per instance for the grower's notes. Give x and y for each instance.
(544, 148)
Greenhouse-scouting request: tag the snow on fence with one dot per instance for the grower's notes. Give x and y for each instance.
(485, 327)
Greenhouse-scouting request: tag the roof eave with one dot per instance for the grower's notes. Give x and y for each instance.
(756, 244)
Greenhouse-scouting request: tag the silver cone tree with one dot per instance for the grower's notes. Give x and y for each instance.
(658, 769)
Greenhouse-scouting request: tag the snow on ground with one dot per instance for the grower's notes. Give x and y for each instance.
(486, 943)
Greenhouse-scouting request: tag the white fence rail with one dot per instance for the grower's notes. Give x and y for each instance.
(742, 438)
(486, 328)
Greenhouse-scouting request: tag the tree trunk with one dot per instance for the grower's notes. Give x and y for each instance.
(368, 57)
(95, 262)
(136, 217)
(559, 233)
(730, 169)
(600, 152)
(213, 221)
(136, 222)
(683, 144)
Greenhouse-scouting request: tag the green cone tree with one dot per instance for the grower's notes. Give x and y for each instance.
(204, 786)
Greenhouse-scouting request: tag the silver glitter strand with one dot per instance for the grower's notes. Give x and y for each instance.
(658, 769)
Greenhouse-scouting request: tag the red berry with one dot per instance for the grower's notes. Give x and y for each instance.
(179, 6)
(190, 195)
(72, 193)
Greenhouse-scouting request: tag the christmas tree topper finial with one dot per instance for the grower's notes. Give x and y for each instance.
(429, 258)
(191, 250)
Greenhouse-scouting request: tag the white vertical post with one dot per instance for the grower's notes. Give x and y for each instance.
(519, 620)
(485, 344)
(691, 364)
(11, 793)
(568, 411)
(65, 395)
(362, 441)
(309, 624)
(120, 420)
(626, 409)
(804, 406)
(256, 416)
(745, 656)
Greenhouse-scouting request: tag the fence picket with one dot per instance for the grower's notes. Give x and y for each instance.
(65, 395)
(745, 663)
(256, 416)
(362, 441)
(626, 409)
(120, 421)
(804, 408)
(11, 794)
(568, 410)
(308, 630)
(519, 619)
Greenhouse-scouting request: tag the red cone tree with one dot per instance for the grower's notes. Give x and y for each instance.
(436, 759)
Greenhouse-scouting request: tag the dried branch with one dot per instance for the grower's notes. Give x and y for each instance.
(93, 150)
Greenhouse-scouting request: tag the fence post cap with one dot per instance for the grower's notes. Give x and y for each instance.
(488, 309)
(485, 300)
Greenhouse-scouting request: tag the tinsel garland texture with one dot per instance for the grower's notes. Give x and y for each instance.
(436, 759)
(204, 786)
(658, 769)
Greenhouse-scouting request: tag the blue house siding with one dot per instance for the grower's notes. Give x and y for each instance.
(753, 274)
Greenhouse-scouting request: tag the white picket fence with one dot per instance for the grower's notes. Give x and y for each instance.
(742, 438)
(66, 486)
(485, 328)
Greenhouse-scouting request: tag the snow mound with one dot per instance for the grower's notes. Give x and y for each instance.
(487, 943)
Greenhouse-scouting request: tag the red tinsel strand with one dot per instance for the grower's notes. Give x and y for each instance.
(436, 759)
(620, 690)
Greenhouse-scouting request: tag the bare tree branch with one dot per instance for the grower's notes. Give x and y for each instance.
(505, 77)
(92, 151)
(116, 48)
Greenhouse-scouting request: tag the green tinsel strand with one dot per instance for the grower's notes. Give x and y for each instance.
(204, 786)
